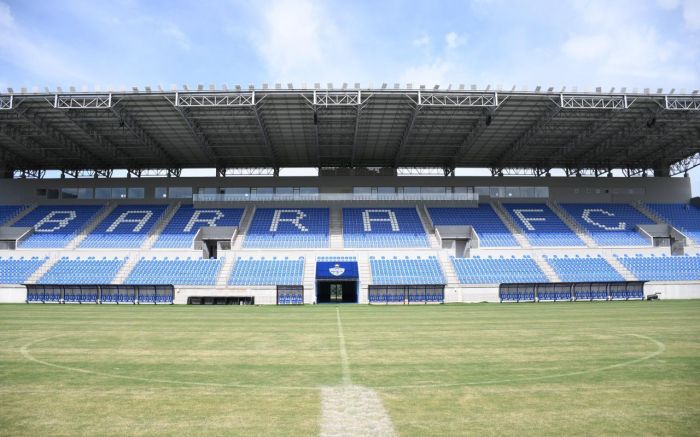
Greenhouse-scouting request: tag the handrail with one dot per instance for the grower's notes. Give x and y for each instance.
(336, 197)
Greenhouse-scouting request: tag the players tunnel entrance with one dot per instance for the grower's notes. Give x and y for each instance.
(336, 282)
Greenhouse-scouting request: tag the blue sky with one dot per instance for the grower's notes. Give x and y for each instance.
(121, 43)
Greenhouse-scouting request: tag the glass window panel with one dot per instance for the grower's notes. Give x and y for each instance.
(161, 192)
(69, 193)
(362, 190)
(136, 193)
(84, 193)
(241, 191)
(386, 190)
(308, 190)
(180, 192)
(284, 190)
(118, 193)
(527, 191)
(103, 193)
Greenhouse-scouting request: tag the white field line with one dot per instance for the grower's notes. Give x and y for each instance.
(351, 410)
(27, 354)
(344, 364)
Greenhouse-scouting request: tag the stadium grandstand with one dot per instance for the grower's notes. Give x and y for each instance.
(387, 220)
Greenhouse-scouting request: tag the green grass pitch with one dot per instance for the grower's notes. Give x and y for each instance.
(607, 368)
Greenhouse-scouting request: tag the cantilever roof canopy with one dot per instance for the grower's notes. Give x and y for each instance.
(349, 128)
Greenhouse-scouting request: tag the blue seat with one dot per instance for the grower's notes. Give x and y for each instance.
(182, 228)
(682, 216)
(541, 226)
(175, 272)
(55, 226)
(125, 227)
(264, 271)
(663, 268)
(583, 269)
(492, 232)
(279, 228)
(415, 271)
(82, 271)
(19, 270)
(497, 270)
(610, 224)
(383, 227)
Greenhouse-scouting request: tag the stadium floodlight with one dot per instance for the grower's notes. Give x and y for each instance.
(647, 91)
(160, 88)
(224, 87)
(317, 85)
(550, 89)
(421, 87)
(278, 86)
(695, 92)
(659, 91)
(200, 87)
(409, 86)
(673, 90)
(449, 87)
(329, 85)
(238, 87)
(11, 90)
(461, 87)
(623, 89)
(251, 87)
(473, 87)
(383, 85)
(290, 86)
(72, 89)
(436, 87)
(135, 89)
(345, 85)
(23, 90)
(514, 88)
(173, 87)
(612, 90)
(598, 89)
(635, 90)
(184, 87)
(397, 86)
(563, 89)
(538, 88)
(148, 88)
(265, 86)
(488, 87)
(212, 87)
(357, 85)
(47, 90)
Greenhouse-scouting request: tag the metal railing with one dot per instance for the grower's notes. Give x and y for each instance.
(337, 197)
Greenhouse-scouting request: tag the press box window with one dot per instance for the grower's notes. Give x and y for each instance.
(84, 193)
(103, 193)
(136, 193)
(118, 193)
(69, 193)
(161, 193)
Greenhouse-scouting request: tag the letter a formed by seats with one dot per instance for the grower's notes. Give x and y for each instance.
(390, 217)
(123, 218)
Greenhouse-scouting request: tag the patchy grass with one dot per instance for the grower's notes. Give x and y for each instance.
(520, 369)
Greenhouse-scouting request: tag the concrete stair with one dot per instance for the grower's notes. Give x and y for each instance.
(243, 227)
(19, 215)
(510, 224)
(427, 225)
(365, 274)
(226, 269)
(336, 228)
(162, 223)
(651, 215)
(41, 271)
(448, 269)
(571, 223)
(126, 269)
(309, 281)
(621, 269)
(82, 235)
(546, 268)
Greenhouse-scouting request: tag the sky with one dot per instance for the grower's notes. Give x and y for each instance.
(102, 44)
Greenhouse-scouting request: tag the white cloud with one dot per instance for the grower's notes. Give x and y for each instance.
(454, 40)
(32, 55)
(176, 34)
(299, 40)
(429, 74)
(587, 47)
(691, 14)
(422, 41)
